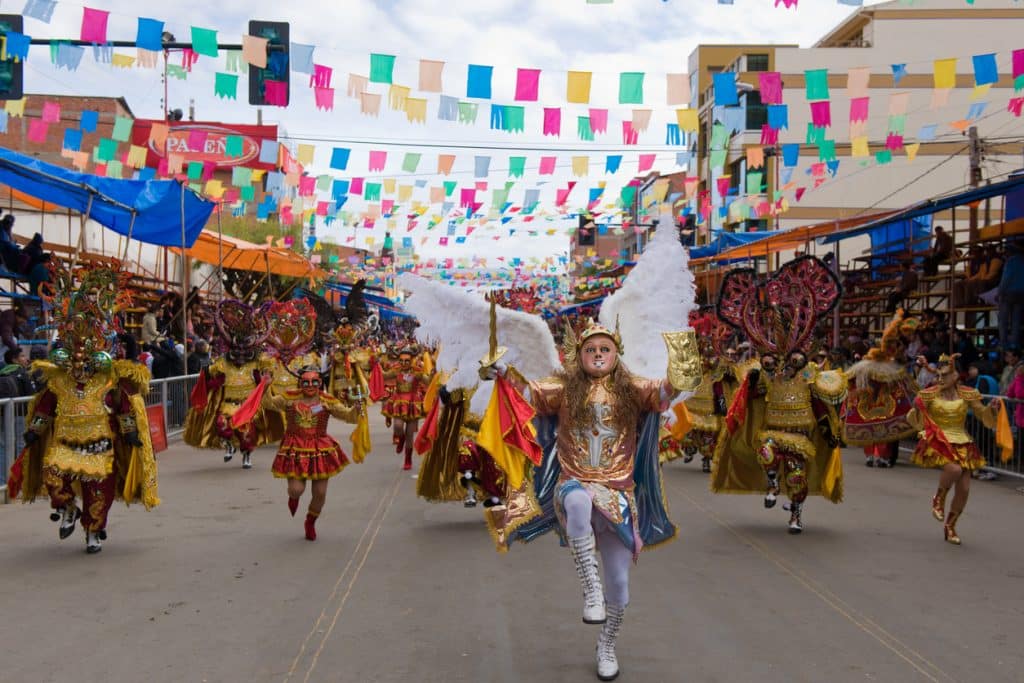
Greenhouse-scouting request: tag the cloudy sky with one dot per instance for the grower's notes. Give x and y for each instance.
(552, 35)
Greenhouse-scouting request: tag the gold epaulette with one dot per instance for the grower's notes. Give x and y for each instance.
(46, 368)
(969, 394)
(136, 373)
(830, 386)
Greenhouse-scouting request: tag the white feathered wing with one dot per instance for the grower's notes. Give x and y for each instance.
(656, 297)
(460, 322)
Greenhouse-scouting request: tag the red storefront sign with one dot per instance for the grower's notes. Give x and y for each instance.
(212, 139)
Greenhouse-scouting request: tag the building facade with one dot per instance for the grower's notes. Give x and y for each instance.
(907, 139)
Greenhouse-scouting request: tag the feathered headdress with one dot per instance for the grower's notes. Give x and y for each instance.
(241, 326)
(712, 333)
(291, 329)
(778, 314)
(85, 314)
(893, 333)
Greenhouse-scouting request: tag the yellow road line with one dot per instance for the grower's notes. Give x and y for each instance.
(337, 584)
(351, 583)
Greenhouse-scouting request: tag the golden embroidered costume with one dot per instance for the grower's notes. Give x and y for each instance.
(88, 434)
(782, 424)
(228, 382)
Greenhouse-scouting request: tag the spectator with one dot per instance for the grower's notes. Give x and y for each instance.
(964, 345)
(986, 384)
(907, 286)
(10, 252)
(31, 254)
(12, 325)
(1011, 296)
(166, 361)
(199, 358)
(150, 327)
(838, 358)
(1016, 391)
(940, 251)
(15, 370)
(128, 348)
(1012, 361)
(916, 346)
(927, 373)
(39, 273)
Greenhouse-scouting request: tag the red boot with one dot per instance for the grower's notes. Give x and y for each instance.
(311, 526)
(408, 460)
(293, 505)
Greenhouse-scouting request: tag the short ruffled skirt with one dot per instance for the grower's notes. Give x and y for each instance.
(306, 458)
(966, 455)
(403, 408)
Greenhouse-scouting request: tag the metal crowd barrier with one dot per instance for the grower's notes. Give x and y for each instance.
(172, 394)
(986, 439)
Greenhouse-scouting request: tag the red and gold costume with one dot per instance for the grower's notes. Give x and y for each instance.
(455, 467)
(782, 425)
(944, 435)
(403, 407)
(881, 396)
(408, 387)
(228, 382)
(306, 451)
(88, 434)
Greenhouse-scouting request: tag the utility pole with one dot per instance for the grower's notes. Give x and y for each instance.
(975, 161)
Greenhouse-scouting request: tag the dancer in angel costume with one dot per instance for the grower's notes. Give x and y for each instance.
(88, 435)
(597, 481)
(782, 426)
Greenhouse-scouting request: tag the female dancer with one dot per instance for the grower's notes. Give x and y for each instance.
(307, 453)
(941, 413)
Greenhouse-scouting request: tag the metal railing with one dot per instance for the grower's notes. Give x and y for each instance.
(986, 440)
(172, 393)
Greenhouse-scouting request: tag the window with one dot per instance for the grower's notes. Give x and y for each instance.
(585, 232)
(757, 112)
(757, 62)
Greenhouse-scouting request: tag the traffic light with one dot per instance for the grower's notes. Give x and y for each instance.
(278, 70)
(12, 73)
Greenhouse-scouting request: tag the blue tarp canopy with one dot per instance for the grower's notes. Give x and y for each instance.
(929, 207)
(386, 306)
(155, 205)
(727, 240)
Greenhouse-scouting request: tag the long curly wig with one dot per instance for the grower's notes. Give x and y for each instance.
(577, 385)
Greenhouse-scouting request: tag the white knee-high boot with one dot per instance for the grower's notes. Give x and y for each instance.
(607, 662)
(585, 558)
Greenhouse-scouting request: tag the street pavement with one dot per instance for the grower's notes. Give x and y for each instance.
(218, 584)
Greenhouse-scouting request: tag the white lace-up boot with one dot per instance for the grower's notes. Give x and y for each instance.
(585, 557)
(607, 662)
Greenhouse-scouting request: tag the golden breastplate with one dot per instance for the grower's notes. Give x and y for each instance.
(83, 440)
(238, 382)
(950, 416)
(788, 404)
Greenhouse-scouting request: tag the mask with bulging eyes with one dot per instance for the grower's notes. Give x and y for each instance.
(795, 362)
(769, 364)
(310, 383)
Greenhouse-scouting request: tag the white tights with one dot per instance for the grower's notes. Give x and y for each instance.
(580, 519)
